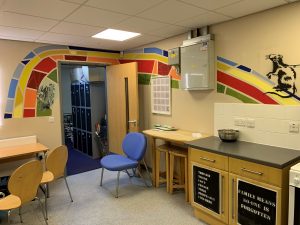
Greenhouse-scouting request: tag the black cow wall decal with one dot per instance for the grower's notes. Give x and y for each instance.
(286, 77)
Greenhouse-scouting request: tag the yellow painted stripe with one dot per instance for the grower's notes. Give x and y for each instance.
(27, 71)
(102, 54)
(260, 84)
(18, 108)
(54, 52)
(146, 56)
(223, 66)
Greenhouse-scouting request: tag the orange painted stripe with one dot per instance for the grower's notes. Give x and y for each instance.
(103, 60)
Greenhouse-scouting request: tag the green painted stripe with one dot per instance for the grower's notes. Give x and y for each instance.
(53, 76)
(144, 78)
(175, 84)
(239, 96)
(220, 88)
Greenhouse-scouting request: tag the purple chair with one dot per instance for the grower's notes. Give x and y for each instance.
(134, 146)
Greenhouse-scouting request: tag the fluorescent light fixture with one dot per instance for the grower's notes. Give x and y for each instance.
(116, 35)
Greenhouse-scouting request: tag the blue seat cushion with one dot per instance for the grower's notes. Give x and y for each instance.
(117, 163)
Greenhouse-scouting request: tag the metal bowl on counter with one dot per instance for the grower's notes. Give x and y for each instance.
(228, 135)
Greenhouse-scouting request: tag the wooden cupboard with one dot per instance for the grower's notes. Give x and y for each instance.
(248, 192)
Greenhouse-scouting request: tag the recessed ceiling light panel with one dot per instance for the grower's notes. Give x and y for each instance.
(116, 35)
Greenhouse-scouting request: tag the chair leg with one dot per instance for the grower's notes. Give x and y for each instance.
(143, 178)
(186, 187)
(68, 188)
(46, 206)
(48, 190)
(117, 188)
(20, 214)
(8, 217)
(149, 175)
(128, 174)
(40, 203)
(167, 171)
(102, 171)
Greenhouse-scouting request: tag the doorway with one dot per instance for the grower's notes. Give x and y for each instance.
(83, 108)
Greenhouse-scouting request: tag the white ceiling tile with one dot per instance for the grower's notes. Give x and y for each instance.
(171, 12)
(247, 7)
(203, 20)
(76, 29)
(16, 38)
(169, 31)
(1, 4)
(20, 33)
(210, 4)
(130, 7)
(95, 17)
(75, 1)
(140, 25)
(22, 21)
(60, 38)
(53, 9)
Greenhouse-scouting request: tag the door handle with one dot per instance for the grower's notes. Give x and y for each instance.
(133, 121)
(222, 191)
(232, 200)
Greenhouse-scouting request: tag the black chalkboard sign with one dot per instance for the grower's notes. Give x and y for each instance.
(207, 188)
(256, 205)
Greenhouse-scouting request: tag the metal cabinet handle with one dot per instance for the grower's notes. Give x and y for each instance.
(232, 199)
(252, 171)
(207, 159)
(132, 121)
(222, 197)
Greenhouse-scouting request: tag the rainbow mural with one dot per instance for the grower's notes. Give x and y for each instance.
(247, 85)
(39, 67)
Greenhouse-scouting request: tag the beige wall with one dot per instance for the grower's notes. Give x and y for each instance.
(246, 41)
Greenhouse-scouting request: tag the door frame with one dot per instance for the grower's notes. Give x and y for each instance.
(77, 63)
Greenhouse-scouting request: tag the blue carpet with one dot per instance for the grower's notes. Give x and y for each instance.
(79, 162)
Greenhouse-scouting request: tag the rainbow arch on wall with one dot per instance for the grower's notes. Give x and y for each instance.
(248, 85)
(40, 65)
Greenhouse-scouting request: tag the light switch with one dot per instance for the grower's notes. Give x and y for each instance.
(294, 127)
(51, 119)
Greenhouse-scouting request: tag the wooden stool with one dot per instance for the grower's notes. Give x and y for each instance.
(182, 154)
(162, 149)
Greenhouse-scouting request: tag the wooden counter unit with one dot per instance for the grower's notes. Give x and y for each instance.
(240, 182)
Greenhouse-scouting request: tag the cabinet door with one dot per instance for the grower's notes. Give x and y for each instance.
(79, 143)
(83, 142)
(82, 95)
(87, 95)
(75, 145)
(88, 120)
(77, 95)
(89, 144)
(253, 202)
(73, 95)
(83, 119)
(78, 118)
(210, 191)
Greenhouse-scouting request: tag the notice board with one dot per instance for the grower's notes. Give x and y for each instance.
(207, 188)
(256, 205)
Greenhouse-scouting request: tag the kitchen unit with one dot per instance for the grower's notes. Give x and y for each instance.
(239, 182)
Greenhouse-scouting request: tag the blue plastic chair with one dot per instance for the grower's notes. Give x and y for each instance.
(134, 146)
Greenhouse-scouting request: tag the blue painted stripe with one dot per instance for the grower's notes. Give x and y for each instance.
(7, 116)
(263, 77)
(134, 51)
(9, 105)
(226, 61)
(12, 88)
(30, 55)
(165, 53)
(25, 62)
(18, 71)
(153, 50)
(49, 47)
(245, 68)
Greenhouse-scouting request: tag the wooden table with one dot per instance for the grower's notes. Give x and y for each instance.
(177, 137)
(13, 156)
(21, 150)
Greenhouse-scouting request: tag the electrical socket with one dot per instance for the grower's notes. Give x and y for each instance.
(241, 122)
(250, 123)
(293, 127)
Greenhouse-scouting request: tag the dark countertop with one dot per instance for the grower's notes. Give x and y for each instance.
(257, 153)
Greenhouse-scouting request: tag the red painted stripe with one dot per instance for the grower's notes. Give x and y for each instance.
(144, 66)
(35, 79)
(163, 69)
(29, 113)
(244, 88)
(46, 65)
(75, 57)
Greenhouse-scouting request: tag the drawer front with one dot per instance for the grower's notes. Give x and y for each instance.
(266, 174)
(209, 159)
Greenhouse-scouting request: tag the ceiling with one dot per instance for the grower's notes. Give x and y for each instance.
(73, 22)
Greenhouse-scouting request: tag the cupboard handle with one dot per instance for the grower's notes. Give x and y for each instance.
(207, 159)
(252, 171)
(232, 199)
(222, 197)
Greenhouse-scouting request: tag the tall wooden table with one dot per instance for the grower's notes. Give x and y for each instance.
(176, 137)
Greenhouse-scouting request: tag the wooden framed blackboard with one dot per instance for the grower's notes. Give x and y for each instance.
(256, 204)
(207, 188)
